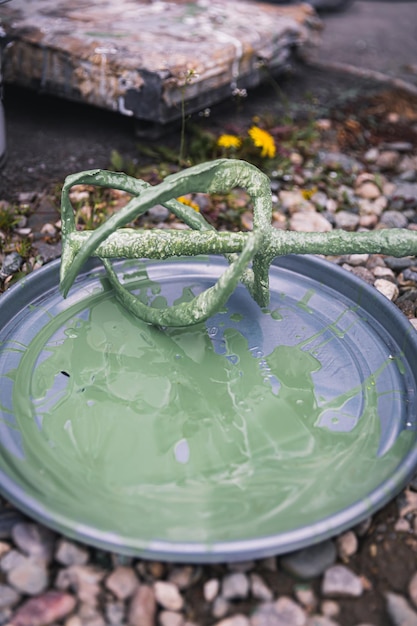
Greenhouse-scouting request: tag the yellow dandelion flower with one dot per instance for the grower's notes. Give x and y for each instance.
(229, 141)
(264, 140)
(188, 202)
(308, 193)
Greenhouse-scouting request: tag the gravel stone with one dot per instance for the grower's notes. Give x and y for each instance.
(235, 586)
(411, 215)
(399, 264)
(158, 213)
(11, 560)
(259, 588)
(26, 197)
(346, 221)
(397, 204)
(142, 608)
(361, 272)
(34, 540)
(306, 597)
(29, 577)
(8, 596)
(406, 192)
(402, 526)
(372, 207)
(5, 616)
(73, 620)
(49, 230)
(357, 259)
(410, 274)
(170, 618)
(368, 190)
(346, 195)
(371, 155)
(320, 200)
(11, 264)
(387, 288)
(168, 596)
(408, 307)
(85, 579)
(394, 219)
(368, 221)
(310, 562)
(408, 163)
(294, 200)
(122, 582)
(91, 616)
(331, 206)
(211, 589)
(407, 176)
(235, 620)
(283, 612)
(381, 271)
(398, 146)
(4, 548)
(45, 609)
(400, 611)
(330, 608)
(321, 620)
(338, 160)
(311, 222)
(347, 545)
(388, 160)
(115, 613)
(220, 607)
(247, 220)
(70, 553)
(340, 581)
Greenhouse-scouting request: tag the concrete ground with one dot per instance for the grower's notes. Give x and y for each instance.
(372, 34)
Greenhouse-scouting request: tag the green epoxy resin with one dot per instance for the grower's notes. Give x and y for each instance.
(186, 435)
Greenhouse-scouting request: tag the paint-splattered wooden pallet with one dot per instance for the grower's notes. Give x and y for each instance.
(148, 58)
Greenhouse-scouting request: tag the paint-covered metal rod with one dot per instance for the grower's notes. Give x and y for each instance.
(250, 254)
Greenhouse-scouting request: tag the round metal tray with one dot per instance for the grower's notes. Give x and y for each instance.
(256, 433)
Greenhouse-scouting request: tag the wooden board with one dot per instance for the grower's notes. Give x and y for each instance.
(147, 58)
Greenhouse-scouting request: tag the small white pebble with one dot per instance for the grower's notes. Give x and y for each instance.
(220, 607)
(306, 597)
(358, 259)
(74, 620)
(48, 230)
(329, 608)
(402, 526)
(23, 232)
(211, 589)
(259, 588)
(347, 544)
(382, 272)
(387, 288)
(371, 155)
(168, 596)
